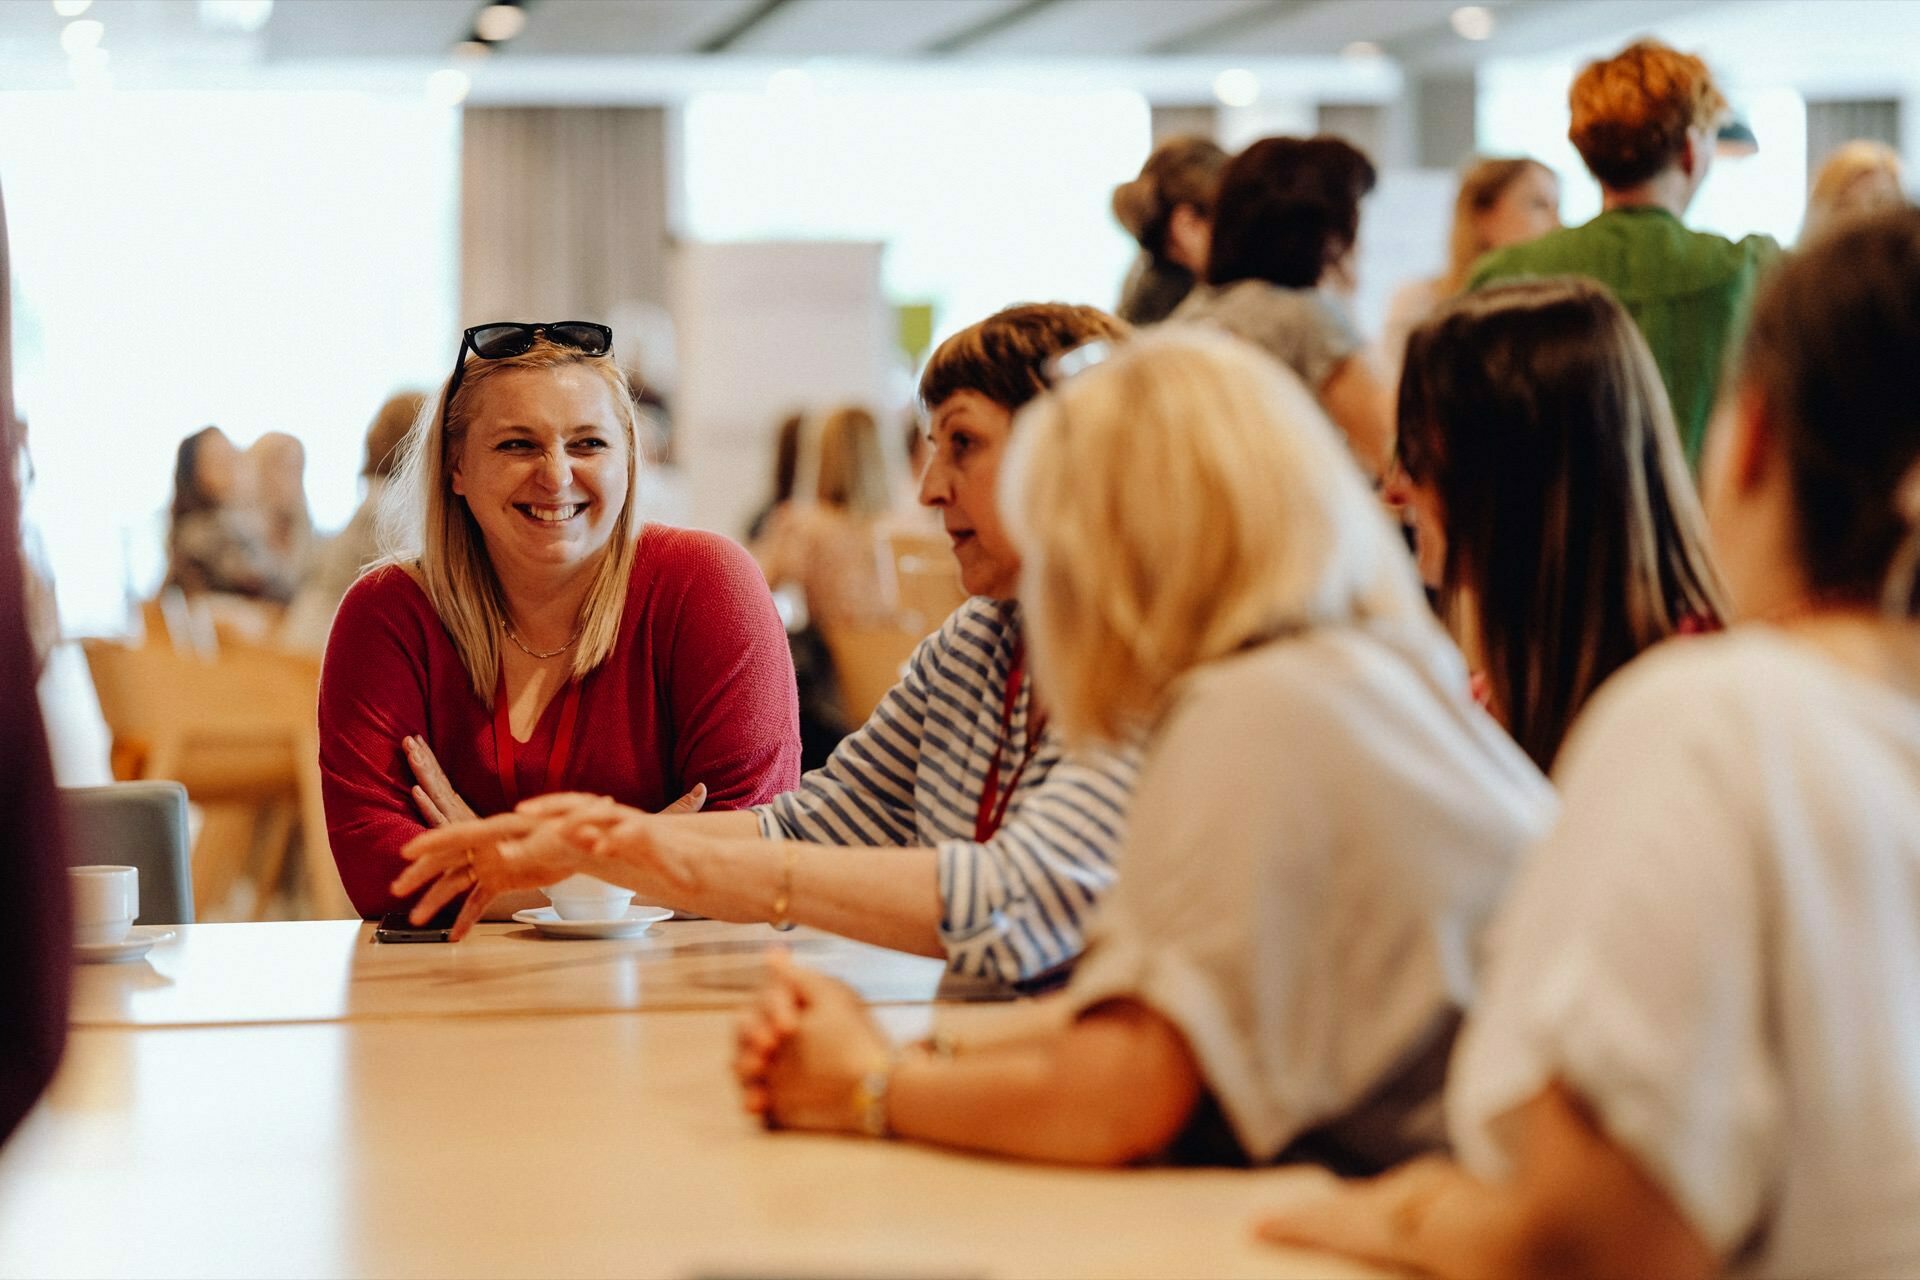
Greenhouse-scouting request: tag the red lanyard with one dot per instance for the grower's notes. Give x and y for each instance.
(503, 740)
(993, 805)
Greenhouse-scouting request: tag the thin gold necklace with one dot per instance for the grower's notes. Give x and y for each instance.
(535, 653)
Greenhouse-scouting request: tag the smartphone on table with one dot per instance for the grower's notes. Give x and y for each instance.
(396, 927)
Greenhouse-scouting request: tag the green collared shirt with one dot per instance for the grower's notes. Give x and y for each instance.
(1688, 291)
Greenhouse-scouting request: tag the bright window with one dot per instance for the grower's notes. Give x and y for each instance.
(260, 261)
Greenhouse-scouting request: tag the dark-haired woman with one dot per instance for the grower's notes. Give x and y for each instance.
(213, 545)
(1695, 1053)
(1550, 502)
(1168, 210)
(1285, 221)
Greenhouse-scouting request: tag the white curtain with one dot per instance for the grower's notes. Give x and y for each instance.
(563, 212)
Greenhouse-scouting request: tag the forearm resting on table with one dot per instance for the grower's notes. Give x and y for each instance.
(719, 866)
(1116, 1086)
(1576, 1205)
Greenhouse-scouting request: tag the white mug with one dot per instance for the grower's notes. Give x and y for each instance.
(106, 901)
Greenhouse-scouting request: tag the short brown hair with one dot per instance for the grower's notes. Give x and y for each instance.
(1631, 112)
(1287, 209)
(1004, 357)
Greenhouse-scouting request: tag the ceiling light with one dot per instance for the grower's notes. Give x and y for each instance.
(243, 16)
(448, 88)
(1361, 49)
(1472, 22)
(81, 35)
(500, 22)
(71, 8)
(1236, 87)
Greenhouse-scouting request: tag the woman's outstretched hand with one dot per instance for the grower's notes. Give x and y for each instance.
(486, 857)
(803, 1048)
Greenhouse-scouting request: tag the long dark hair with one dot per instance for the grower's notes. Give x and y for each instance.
(1574, 540)
(1831, 350)
(1287, 209)
(188, 494)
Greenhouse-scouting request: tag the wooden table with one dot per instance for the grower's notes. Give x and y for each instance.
(332, 970)
(416, 1133)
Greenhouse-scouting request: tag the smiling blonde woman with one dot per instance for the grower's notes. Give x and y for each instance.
(530, 634)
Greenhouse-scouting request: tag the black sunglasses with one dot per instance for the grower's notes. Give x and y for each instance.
(505, 338)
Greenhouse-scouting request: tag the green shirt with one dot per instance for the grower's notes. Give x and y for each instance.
(1688, 291)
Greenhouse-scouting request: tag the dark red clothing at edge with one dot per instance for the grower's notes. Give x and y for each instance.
(36, 947)
(698, 689)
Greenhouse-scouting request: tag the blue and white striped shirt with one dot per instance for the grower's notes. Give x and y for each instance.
(1017, 906)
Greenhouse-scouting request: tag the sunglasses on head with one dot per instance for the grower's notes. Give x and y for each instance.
(504, 338)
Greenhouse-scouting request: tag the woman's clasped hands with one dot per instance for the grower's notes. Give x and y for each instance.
(541, 842)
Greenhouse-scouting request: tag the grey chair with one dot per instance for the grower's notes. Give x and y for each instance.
(136, 824)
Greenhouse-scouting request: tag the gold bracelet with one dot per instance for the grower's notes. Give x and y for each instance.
(870, 1098)
(783, 900)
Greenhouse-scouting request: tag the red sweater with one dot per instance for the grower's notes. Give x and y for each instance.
(698, 689)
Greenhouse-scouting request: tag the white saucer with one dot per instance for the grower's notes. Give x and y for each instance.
(138, 942)
(635, 922)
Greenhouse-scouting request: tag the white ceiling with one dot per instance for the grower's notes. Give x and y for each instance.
(577, 49)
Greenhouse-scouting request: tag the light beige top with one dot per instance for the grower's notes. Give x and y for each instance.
(1321, 830)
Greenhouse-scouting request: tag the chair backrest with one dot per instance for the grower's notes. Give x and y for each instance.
(868, 661)
(926, 580)
(136, 824)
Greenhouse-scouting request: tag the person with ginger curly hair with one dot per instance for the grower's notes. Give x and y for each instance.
(1644, 121)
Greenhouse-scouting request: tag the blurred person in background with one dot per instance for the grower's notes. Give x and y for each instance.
(42, 602)
(1859, 178)
(273, 484)
(1695, 1052)
(1501, 201)
(1168, 210)
(830, 550)
(1552, 511)
(531, 633)
(956, 823)
(216, 542)
(1281, 256)
(1323, 822)
(1645, 122)
(36, 950)
(786, 472)
(346, 555)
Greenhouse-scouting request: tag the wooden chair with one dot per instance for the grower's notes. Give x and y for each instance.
(926, 580)
(239, 732)
(868, 661)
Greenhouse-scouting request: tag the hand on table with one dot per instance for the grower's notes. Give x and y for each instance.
(803, 1048)
(486, 857)
(1368, 1219)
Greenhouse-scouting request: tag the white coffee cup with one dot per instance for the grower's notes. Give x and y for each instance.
(585, 898)
(106, 901)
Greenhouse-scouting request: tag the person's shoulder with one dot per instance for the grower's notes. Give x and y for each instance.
(1697, 692)
(1546, 255)
(386, 588)
(672, 553)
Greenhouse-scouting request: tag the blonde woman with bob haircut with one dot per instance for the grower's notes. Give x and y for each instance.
(1323, 821)
(528, 632)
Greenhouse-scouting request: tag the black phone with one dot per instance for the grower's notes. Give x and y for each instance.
(396, 927)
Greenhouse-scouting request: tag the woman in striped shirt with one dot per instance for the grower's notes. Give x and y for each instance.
(956, 823)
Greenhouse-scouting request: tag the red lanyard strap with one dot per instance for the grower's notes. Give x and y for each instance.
(503, 744)
(993, 803)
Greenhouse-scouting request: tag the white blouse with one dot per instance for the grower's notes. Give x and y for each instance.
(1321, 829)
(1718, 949)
